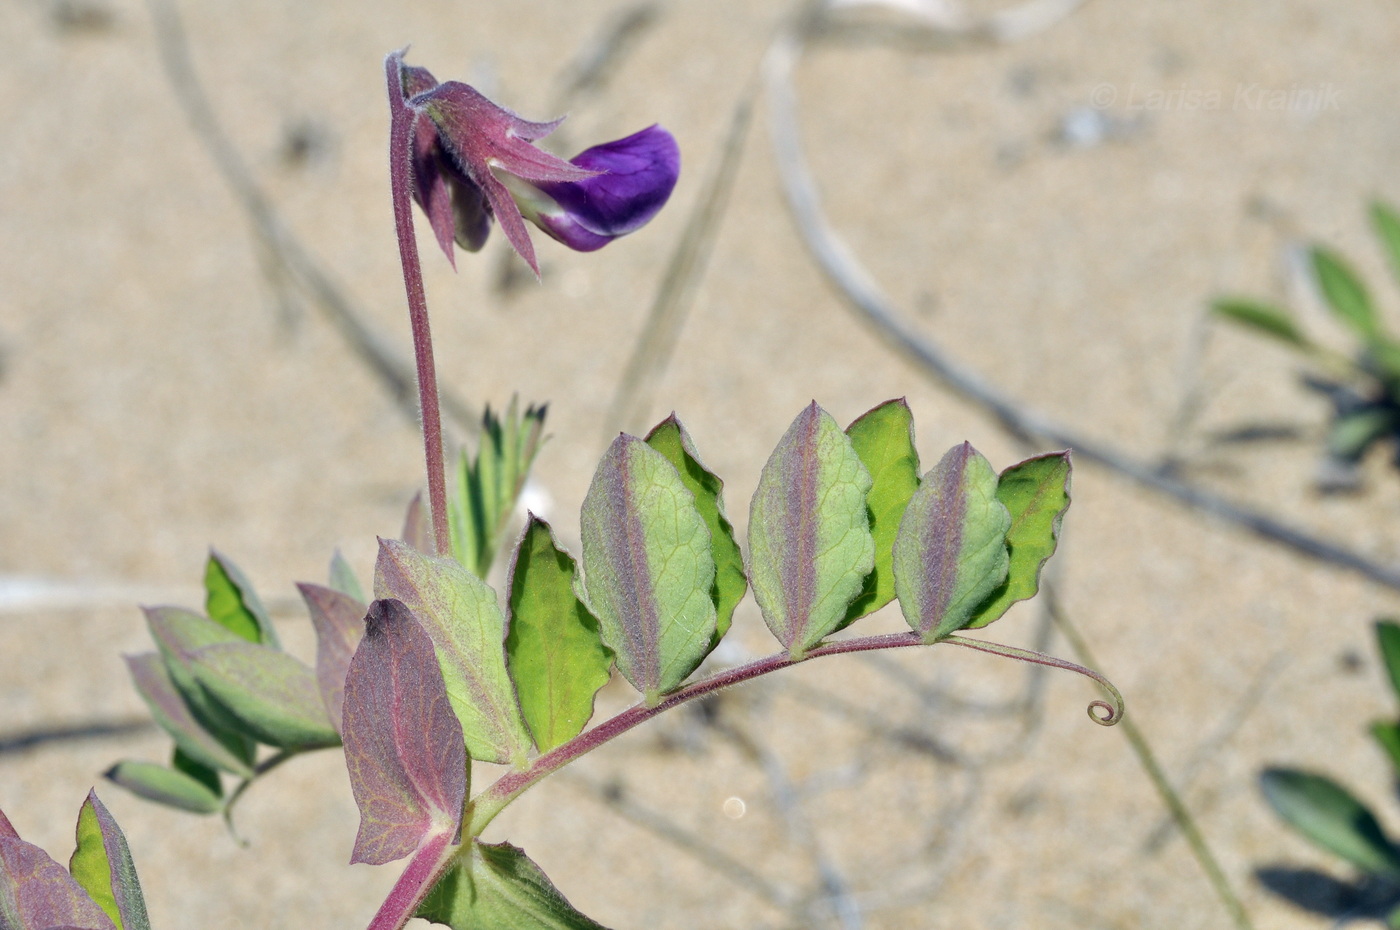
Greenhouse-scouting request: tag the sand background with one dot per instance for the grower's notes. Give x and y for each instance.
(158, 395)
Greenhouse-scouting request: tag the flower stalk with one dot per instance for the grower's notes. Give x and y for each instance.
(402, 124)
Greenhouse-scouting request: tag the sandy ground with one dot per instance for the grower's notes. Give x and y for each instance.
(156, 396)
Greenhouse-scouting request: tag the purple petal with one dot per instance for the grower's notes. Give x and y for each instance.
(640, 172)
(430, 188)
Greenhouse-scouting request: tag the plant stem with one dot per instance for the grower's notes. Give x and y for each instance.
(1175, 805)
(418, 878)
(262, 768)
(485, 806)
(402, 121)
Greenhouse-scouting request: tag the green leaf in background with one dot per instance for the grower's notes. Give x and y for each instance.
(339, 622)
(671, 440)
(205, 775)
(403, 743)
(647, 567)
(102, 865)
(1264, 318)
(178, 633)
(1388, 644)
(1387, 225)
(165, 786)
(1387, 736)
(488, 486)
(231, 602)
(500, 888)
(1036, 494)
(553, 648)
(1328, 815)
(1345, 294)
(220, 749)
(950, 554)
(459, 612)
(1353, 433)
(884, 440)
(36, 893)
(343, 578)
(810, 546)
(273, 696)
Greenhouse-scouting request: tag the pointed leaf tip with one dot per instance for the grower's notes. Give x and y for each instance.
(403, 744)
(231, 601)
(103, 866)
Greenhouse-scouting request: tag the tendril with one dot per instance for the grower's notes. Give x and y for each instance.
(1104, 713)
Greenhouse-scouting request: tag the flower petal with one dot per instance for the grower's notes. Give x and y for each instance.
(639, 173)
(430, 188)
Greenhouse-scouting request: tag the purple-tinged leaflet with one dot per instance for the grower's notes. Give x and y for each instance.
(473, 160)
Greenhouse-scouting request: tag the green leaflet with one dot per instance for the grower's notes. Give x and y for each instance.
(225, 749)
(810, 547)
(1264, 318)
(178, 633)
(1387, 736)
(487, 486)
(1387, 225)
(884, 440)
(165, 786)
(1388, 644)
(648, 567)
(461, 616)
(553, 650)
(1036, 494)
(950, 553)
(273, 696)
(671, 440)
(231, 602)
(1345, 294)
(1330, 817)
(102, 865)
(500, 888)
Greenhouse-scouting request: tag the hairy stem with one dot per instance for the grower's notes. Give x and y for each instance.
(401, 127)
(423, 872)
(485, 806)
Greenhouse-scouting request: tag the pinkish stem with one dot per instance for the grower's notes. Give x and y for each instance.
(401, 126)
(419, 877)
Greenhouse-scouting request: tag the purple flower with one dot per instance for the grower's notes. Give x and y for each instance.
(473, 160)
